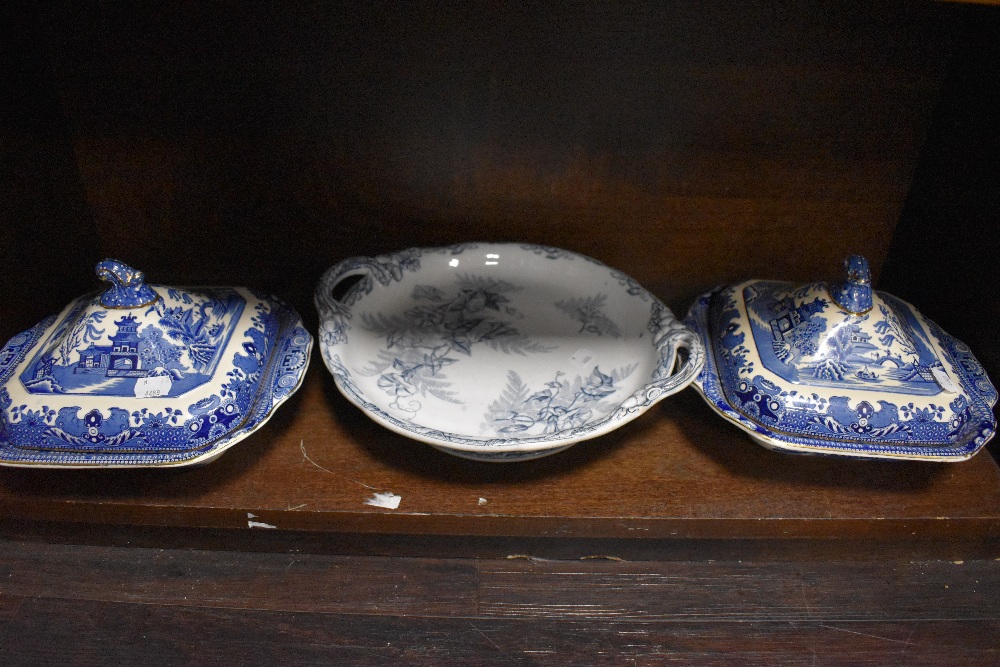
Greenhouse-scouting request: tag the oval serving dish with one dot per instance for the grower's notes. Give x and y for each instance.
(842, 370)
(499, 352)
(146, 375)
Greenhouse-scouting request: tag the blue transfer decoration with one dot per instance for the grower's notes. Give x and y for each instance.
(855, 294)
(128, 287)
(412, 334)
(809, 341)
(790, 367)
(169, 382)
(99, 354)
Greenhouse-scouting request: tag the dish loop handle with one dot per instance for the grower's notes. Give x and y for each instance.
(335, 313)
(676, 338)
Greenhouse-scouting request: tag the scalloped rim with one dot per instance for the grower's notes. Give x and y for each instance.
(260, 413)
(709, 386)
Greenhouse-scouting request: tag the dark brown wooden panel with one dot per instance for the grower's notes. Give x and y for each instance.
(48, 234)
(595, 589)
(122, 605)
(148, 195)
(234, 579)
(690, 146)
(101, 605)
(46, 631)
(860, 548)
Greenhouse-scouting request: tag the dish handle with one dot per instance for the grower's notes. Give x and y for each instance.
(338, 289)
(671, 341)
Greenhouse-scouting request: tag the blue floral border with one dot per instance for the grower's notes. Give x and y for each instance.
(967, 443)
(283, 371)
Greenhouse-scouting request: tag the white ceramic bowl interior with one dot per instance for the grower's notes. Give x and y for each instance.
(499, 351)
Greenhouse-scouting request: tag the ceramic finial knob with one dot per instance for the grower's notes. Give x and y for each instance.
(855, 294)
(128, 287)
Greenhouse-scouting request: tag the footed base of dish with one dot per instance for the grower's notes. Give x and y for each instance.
(13, 457)
(784, 447)
(810, 450)
(501, 456)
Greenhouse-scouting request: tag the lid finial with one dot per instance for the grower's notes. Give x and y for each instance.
(855, 294)
(128, 288)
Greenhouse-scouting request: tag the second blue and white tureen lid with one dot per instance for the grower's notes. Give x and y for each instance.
(840, 369)
(147, 375)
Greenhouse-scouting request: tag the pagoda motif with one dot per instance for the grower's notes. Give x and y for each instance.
(789, 316)
(120, 358)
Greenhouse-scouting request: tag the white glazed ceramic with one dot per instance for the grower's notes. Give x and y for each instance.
(147, 376)
(499, 352)
(840, 370)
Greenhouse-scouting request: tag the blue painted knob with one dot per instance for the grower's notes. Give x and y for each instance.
(128, 288)
(855, 295)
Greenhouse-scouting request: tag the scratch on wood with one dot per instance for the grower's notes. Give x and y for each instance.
(487, 638)
(305, 457)
(910, 636)
(864, 634)
(535, 559)
(805, 600)
(259, 524)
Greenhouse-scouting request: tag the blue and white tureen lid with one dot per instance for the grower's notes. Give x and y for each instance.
(840, 369)
(146, 375)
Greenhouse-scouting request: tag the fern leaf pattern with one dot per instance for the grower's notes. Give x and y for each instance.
(443, 327)
(588, 311)
(561, 405)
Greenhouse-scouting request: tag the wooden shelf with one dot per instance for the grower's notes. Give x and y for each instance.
(688, 145)
(686, 159)
(679, 472)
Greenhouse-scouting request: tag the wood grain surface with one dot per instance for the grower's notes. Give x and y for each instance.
(170, 606)
(94, 633)
(511, 588)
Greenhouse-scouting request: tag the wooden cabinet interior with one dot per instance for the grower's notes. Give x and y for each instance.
(689, 146)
